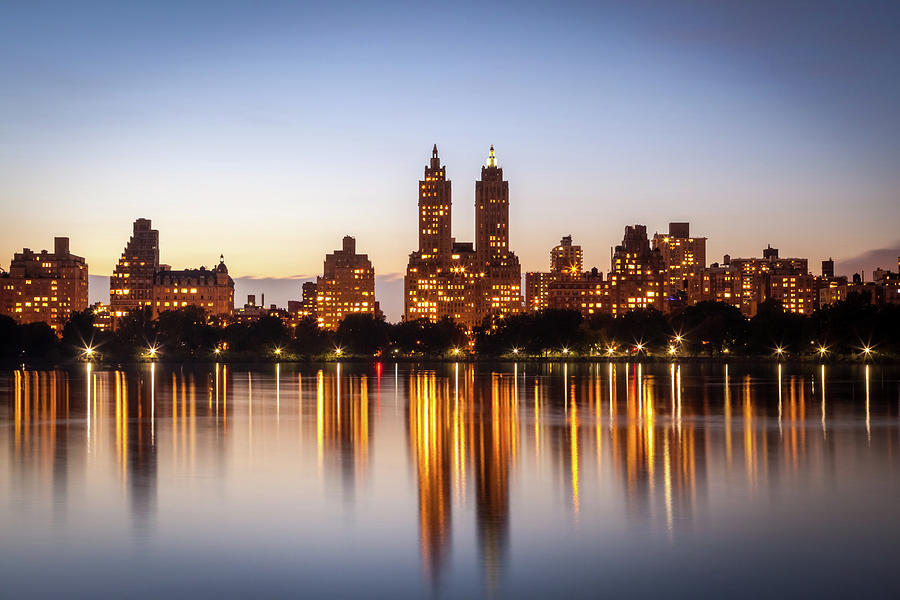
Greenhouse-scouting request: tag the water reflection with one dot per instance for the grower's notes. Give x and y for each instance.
(494, 451)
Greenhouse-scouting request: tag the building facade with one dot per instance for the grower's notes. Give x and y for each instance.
(347, 286)
(637, 275)
(209, 289)
(682, 256)
(462, 281)
(46, 286)
(131, 284)
(763, 278)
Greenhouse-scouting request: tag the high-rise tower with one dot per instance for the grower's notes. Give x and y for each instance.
(491, 211)
(434, 209)
(131, 284)
(446, 278)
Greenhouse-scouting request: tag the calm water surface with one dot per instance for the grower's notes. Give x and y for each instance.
(446, 480)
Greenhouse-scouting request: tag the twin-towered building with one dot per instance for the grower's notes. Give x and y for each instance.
(461, 280)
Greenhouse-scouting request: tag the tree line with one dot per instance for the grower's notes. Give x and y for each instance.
(849, 328)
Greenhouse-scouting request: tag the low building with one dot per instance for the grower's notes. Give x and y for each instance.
(45, 286)
(210, 289)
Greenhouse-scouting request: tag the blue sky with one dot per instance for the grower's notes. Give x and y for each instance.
(267, 131)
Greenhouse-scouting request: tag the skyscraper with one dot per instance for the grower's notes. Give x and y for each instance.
(131, 284)
(434, 210)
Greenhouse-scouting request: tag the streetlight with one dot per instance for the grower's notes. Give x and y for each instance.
(779, 351)
(338, 351)
(565, 350)
(639, 346)
(611, 350)
(672, 350)
(679, 338)
(822, 351)
(88, 352)
(151, 351)
(277, 351)
(515, 350)
(867, 351)
(455, 351)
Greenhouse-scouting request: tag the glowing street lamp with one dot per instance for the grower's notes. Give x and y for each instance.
(152, 352)
(867, 351)
(89, 352)
(672, 350)
(277, 351)
(611, 350)
(822, 350)
(515, 350)
(455, 352)
(338, 351)
(565, 350)
(217, 351)
(779, 351)
(679, 338)
(639, 346)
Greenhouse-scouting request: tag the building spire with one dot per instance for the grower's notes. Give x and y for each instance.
(434, 152)
(492, 160)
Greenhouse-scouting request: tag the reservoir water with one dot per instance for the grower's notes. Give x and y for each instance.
(448, 480)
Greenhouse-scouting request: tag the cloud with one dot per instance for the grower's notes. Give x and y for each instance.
(884, 258)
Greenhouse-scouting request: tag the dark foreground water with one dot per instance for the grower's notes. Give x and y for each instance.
(451, 480)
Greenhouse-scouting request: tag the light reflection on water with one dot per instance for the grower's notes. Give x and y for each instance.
(450, 479)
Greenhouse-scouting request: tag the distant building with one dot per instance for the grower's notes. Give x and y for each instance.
(566, 258)
(828, 268)
(584, 292)
(131, 284)
(210, 289)
(102, 316)
(714, 284)
(45, 287)
(762, 278)
(347, 286)
(637, 276)
(566, 261)
(537, 289)
(682, 256)
(462, 281)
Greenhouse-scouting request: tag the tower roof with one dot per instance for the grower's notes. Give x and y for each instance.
(492, 160)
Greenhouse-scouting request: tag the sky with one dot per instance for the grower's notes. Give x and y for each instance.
(268, 131)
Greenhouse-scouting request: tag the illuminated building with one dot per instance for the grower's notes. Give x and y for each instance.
(462, 281)
(537, 289)
(307, 308)
(797, 292)
(584, 292)
(636, 279)
(131, 284)
(566, 260)
(762, 278)
(681, 255)
(102, 316)
(210, 289)
(347, 286)
(714, 284)
(45, 287)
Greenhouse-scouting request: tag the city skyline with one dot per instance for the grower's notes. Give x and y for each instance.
(755, 129)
